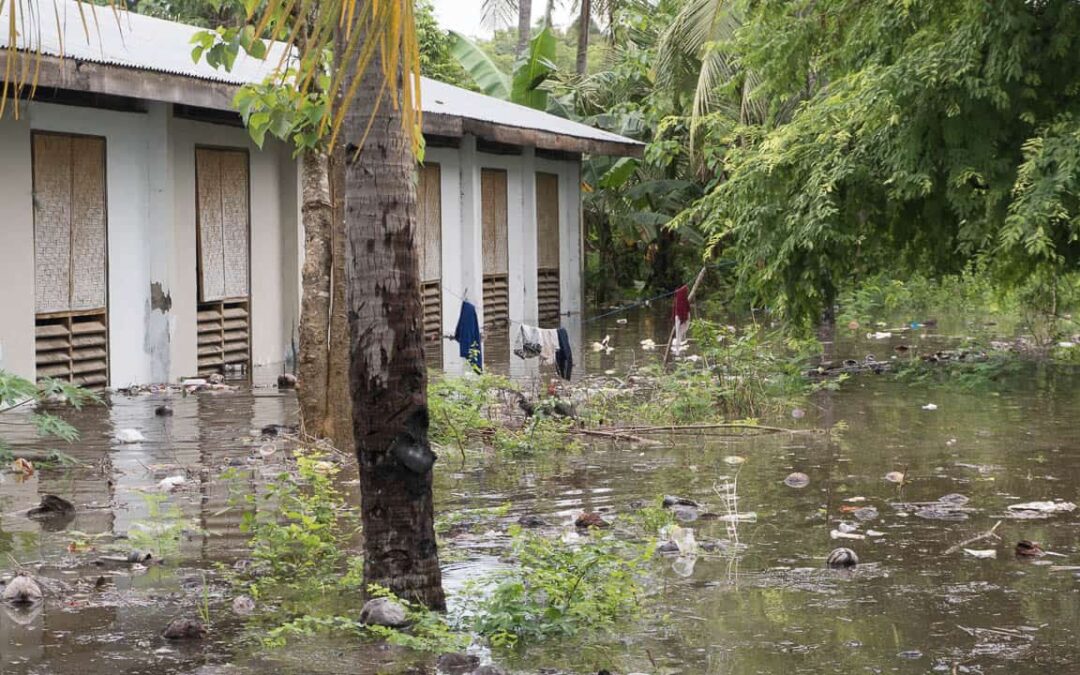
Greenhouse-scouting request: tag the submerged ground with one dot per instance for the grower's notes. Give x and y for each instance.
(765, 606)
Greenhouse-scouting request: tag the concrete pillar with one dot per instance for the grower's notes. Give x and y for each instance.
(468, 268)
(16, 249)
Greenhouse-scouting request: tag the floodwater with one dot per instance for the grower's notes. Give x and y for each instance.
(767, 606)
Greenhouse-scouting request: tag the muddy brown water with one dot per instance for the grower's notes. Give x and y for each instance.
(769, 608)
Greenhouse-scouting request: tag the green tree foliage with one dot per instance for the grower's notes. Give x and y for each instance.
(929, 134)
(436, 59)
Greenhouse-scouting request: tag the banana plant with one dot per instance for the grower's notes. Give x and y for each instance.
(524, 85)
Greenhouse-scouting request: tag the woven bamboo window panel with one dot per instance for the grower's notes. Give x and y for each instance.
(547, 250)
(70, 269)
(494, 219)
(429, 246)
(223, 226)
(223, 223)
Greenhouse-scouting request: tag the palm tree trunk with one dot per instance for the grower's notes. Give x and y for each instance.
(584, 21)
(388, 378)
(524, 25)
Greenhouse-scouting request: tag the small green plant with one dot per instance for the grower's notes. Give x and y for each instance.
(653, 517)
(159, 534)
(428, 631)
(17, 393)
(300, 541)
(557, 590)
(204, 602)
(485, 411)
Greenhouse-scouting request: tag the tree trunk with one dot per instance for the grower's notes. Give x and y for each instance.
(549, 9)
(584, 22)
(387, 375)
(339, 403)
(524, 25)
(323, 361)
(313, 360)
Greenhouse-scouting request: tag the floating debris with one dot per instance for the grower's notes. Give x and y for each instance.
(866, 513)
(1025, 548)
(590, 519)
(457, 664)
(23, 467)
(163, 411)
(838, 534)
(982, 554)
(21, 590)
(941, 512)
(797, 480)
(672, 500)
(243, 605)
(734, 460)
(1046, 508)
(895, 477)
(185, 629)
(51, 506)
(841, 558)
(171, 483)
(954, 499)
(128, 436)
(930, 406)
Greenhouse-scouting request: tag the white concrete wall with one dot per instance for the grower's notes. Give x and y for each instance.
(16, 248)
(150, 186)
(150, 166)
(131, 142)
(453, 281)
(274, 232)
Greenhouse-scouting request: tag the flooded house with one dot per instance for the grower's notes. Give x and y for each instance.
(146, 238)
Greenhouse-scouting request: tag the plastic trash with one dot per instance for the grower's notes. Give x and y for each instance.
(128, 436)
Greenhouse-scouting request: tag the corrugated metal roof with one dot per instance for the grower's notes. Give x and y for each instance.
(122, 38)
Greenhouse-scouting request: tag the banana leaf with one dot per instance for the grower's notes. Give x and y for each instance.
(533, 69)
(480, 68)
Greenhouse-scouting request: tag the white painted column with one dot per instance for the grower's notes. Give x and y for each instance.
(160, 245)
(530, 310)
(16, 249)
(571, 259)
(516, 239)
(450, 192)
(468, 268)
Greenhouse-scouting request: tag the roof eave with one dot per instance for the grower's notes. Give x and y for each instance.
(456, 126)
(150, 85)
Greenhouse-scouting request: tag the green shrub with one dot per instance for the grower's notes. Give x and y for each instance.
(556, 590)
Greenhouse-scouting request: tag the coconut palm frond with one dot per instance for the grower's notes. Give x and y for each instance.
(498, 14)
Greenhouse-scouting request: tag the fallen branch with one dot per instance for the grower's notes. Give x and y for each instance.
(614, 435)
(989, 534)
(675, 428)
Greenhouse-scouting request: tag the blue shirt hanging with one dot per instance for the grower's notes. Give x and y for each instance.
(467, 335)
